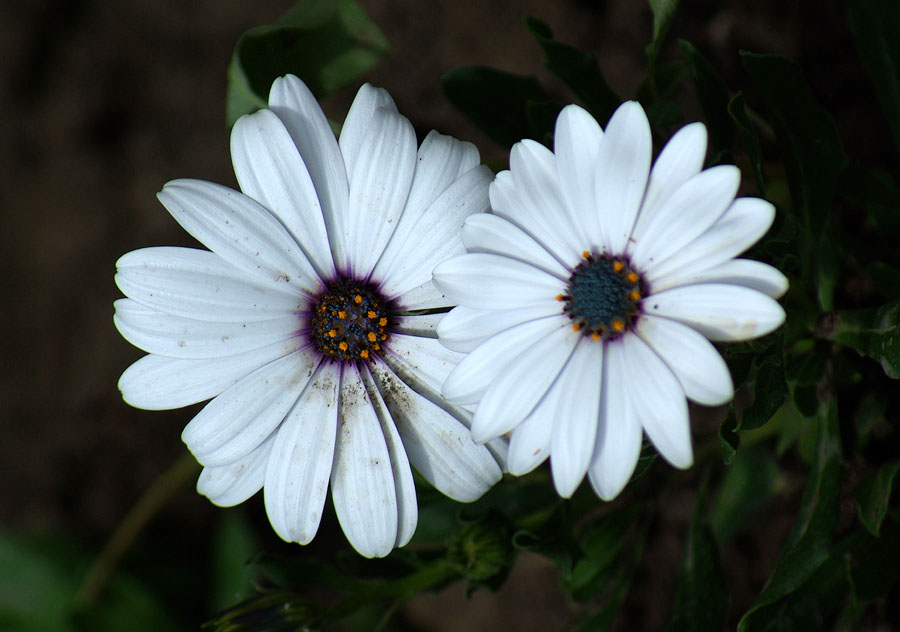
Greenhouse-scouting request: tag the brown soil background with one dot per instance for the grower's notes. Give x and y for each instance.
(103, 102)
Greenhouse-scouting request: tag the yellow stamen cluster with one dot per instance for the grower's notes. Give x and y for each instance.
(349, 321)
(603, 296)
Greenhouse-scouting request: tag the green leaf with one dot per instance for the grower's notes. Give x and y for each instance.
(579, 71)
(729, 437)
(874, 567)
(701, 604)
(497, 102)
(770, 388)
(713, 95)
(233, 545)
(811, 149)
(327, 43)
(873, 495)
(663, 12)
(807, 547)
(737, 110)
(875, 25)
(874, 333)
(749, 484)
(39, 578)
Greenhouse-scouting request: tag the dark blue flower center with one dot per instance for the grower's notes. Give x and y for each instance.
(350, 320)
(603, 296)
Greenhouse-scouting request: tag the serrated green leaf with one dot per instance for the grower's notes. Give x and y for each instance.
(875, 25)
(769, 387)
(874, 333)
(701, 604)
(811, 149)
(873, 495)
(326, 43)
(729, 438)
(714, 98)
(579, 71)
(497, 102)
(737, 110)
(807, 547)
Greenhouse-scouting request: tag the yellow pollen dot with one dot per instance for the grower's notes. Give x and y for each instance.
(371, 336)
(585, 254)
(618, 266)
(618, 325)
(357, 299)
(382, 321)
(364, 354)
(376, 346)
(635, 295)
(384, 336)
(632, 277)
(576, 326)
(560, 297)
(595, 335)
(332, 333)
(342, 314)
(371, 314)
(342, 345)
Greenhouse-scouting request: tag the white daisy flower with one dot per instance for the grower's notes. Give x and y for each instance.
(307, 322)
(588, 298)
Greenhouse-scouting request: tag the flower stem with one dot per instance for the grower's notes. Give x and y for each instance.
(159, 492)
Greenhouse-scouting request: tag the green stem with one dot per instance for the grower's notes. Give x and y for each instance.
(159, 492)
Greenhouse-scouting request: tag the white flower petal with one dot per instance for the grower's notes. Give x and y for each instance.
(745, 272)
(534, 176)
(741, 226)
(576, 418)
(424, 296)
(658, 401)
(299, 110)
(699, 368)
(407, 507)
(513, 394)
(425, 358)
(441, 162)
(199, 284)
(232, 484)
(485, 232)
(576, 143)
(241, 231)
(270, 170)
(464, 328)
(684, 215)
(718, 311)
(510, 203)
(486, 281)
(439, 446)
(359, 121)
(424, 325)
(681, 159)
(301, 459)
(477, 371)
(243, 416)
(618, 443)
(379, 188)
(529, 445)
(178, 337)
(408, 260)
(362, 479)
(623, 167)
(160, 383)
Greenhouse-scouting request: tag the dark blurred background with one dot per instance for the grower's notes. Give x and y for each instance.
(103, 102)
